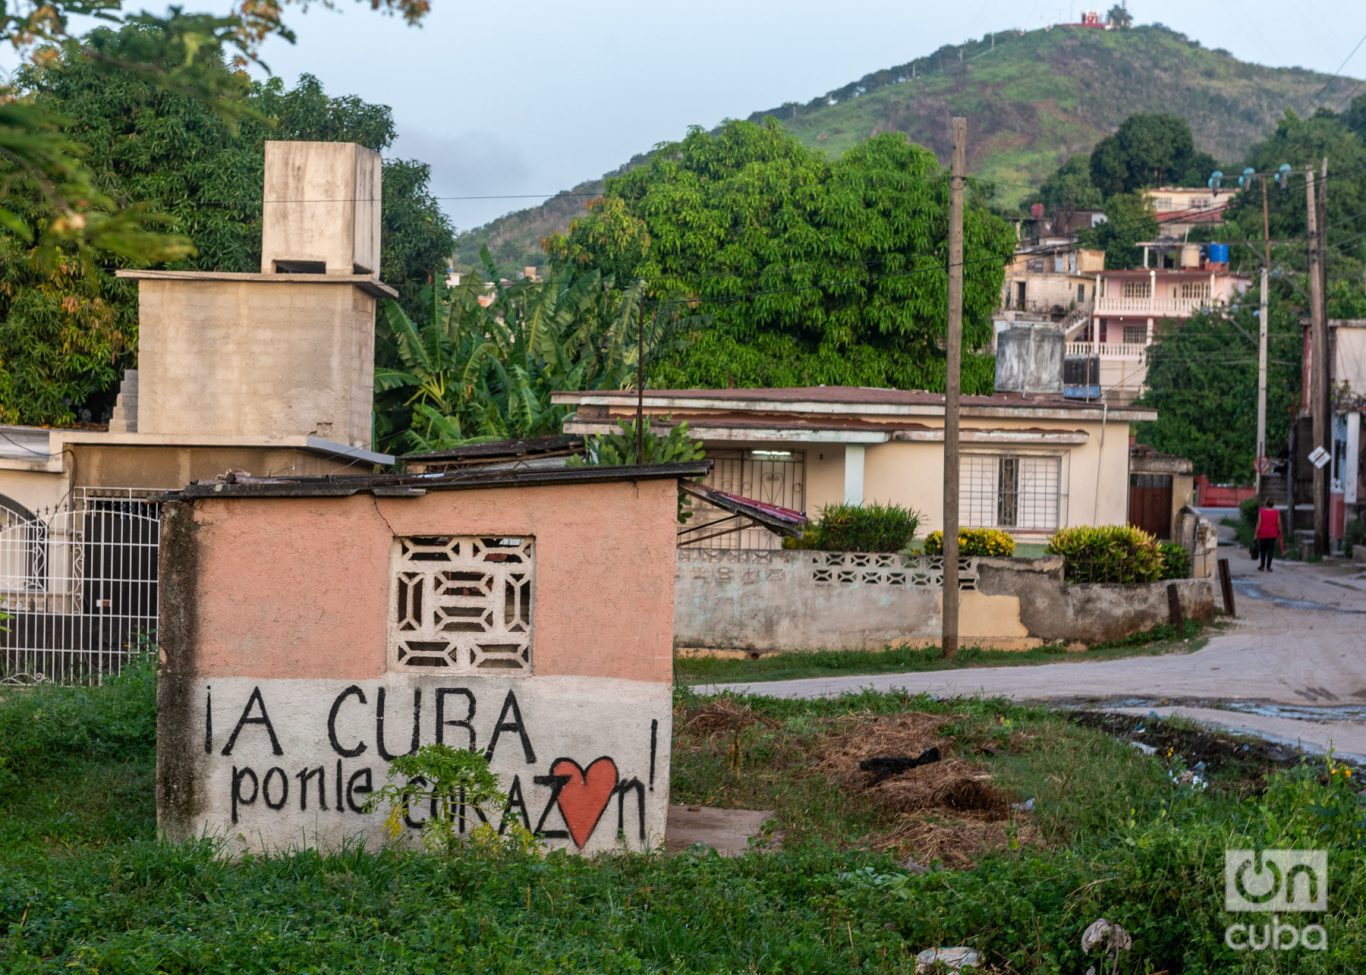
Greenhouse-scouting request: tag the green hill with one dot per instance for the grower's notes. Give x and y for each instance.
(1032, 100)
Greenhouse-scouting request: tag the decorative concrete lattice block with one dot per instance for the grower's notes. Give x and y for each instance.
(889, 569)
(461, 604)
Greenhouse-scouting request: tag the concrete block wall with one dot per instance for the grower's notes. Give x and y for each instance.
(800, 600)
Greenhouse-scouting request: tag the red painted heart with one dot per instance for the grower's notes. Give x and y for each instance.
(585, 794)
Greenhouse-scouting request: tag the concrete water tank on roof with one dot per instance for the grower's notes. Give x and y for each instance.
(321, 211)
(1029, 360)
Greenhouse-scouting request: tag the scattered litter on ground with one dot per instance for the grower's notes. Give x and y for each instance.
(948, 959)
(1208, 752)
(885, 766)
(1109, 940)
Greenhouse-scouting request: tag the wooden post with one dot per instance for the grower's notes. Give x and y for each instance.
(1318, 368)
(1174, 614)
(953, 360)
(1226, 587)
(640, 381)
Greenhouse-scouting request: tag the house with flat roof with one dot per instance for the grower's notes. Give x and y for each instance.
(1133, 308)
(1031, 463)
(1181, 209)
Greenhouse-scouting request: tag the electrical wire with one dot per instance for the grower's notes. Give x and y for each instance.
(1338, 73)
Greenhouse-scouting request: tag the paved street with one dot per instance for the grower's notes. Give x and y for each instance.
(1292, 667)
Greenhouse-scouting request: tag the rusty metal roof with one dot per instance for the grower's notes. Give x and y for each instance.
(747, 511)
(238, 485)
(499, 450)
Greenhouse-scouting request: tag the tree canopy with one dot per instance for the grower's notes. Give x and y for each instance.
(1146, 151)
(67, 326)
(1070, 188)
(1149, 150)
(1129, 219)
(85, 221)
(796, 269)
(1119, 17)
(1305, 143)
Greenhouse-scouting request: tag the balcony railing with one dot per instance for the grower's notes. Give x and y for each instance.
(1151, 307)
(1133, 351)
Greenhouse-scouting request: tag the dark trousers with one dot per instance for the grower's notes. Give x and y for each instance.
(1266, 548)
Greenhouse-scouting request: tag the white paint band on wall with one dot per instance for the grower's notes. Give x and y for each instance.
(284, 763)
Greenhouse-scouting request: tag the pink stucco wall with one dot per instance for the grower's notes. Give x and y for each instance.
(299, 587)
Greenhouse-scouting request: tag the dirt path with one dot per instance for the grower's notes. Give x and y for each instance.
(1292, 667)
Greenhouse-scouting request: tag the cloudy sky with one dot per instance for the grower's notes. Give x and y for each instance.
(535, 96)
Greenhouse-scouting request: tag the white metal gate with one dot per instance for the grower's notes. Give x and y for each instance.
(78, 588)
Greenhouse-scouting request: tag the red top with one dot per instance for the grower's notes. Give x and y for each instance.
(1268, 523)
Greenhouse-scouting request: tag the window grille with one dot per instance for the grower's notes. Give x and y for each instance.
(1136, 334)
(771, 476)
(461, 604)
(1011, 491)
(1137, 289)
(1194, 290)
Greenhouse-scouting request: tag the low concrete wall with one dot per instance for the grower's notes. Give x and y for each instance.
(802, 600)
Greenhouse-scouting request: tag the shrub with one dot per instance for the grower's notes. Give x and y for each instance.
(450, 783)
(1176, 561)
(974, 542)
(1355, 535)
(1108, 553)
(865, 528)
(1248, 511)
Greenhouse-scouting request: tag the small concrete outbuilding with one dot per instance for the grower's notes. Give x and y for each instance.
(314, 628)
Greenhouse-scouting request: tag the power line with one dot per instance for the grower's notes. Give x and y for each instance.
(1336, 74)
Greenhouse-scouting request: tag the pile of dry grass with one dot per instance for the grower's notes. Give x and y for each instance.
(722, 715)
(949, 811)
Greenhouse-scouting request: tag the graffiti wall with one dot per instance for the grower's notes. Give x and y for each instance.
(284, 763)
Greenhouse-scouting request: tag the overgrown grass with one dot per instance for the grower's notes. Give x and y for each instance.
(827, 663)
(86, 887)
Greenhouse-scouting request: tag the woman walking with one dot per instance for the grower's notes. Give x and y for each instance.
(1268, 535)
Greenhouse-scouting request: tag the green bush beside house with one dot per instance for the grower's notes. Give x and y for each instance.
(859, 528)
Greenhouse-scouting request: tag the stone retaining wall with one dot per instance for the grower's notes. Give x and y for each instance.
(803, 600)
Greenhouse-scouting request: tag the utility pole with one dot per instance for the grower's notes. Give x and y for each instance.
(953, 356)
(1325, 492)
(1262, 325)
(640, 382)
(1318, 365)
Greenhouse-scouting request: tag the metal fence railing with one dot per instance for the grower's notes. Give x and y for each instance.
(78, 588)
